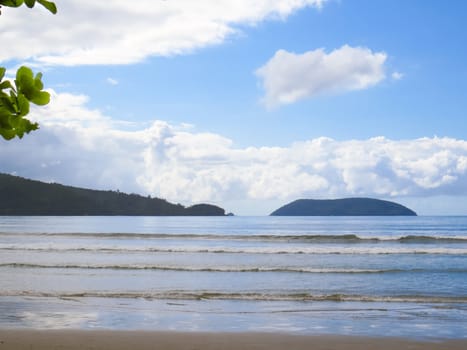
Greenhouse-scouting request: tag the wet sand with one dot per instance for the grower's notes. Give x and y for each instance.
(141, 340)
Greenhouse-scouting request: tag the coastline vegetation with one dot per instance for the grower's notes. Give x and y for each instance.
(29, 197)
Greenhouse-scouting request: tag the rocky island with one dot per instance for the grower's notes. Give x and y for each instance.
(343, 207)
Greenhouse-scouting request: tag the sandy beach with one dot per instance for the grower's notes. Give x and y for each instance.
(119, 340)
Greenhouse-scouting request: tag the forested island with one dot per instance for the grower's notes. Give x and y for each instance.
(343, 207)
(20, 196)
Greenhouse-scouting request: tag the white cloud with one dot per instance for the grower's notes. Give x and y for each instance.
(83, 147)
(397, 75)
(289, 77)
(121, 32)
(112, 81)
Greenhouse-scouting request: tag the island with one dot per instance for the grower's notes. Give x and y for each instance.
(20, 196)
(343, 207)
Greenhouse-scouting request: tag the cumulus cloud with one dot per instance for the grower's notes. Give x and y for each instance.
(82, 147)
(121, 32)
(289, 77)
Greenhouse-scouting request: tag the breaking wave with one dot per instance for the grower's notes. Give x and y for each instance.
(222, 268)
(316, 239)
(357, 250)
(214, 295)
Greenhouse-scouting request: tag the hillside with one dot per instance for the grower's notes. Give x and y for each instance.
(343, 207)
(19, 196)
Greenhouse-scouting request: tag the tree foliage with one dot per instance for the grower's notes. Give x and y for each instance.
(49, 5)
(15, 102)
(28, 197)
(15, 97)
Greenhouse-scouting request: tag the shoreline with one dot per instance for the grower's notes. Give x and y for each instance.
(19, 339)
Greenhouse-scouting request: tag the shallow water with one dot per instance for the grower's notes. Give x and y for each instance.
(395, 276)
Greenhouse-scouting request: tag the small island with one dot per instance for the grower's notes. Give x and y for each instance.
(20, 196)
(343, 207)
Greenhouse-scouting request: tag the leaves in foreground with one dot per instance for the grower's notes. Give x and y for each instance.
(15, 99)
(49, 5)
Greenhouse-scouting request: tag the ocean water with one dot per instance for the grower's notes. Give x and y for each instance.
(372, 276)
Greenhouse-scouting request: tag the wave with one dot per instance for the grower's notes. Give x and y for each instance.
(225, 268)
(254, 296)
(345, 238)
(431, 239)
(344, 250)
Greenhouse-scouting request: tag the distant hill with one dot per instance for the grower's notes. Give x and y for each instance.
(19, 196)
(343, 207)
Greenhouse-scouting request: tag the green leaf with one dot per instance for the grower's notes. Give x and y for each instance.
(7, 134)
(26, 125)
(5, 85)
(24, 75)
(23, 105)
(49, 5)
(41, 98)
(31, 87)
(38, 82)
(5, 118)
(23, 126)
(2, 73)
(25, 82)
(7, 103)
(11, 3)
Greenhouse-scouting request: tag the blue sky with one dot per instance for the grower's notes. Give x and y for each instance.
(423, 41)
(296, 98)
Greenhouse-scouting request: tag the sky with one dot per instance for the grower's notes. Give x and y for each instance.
(247, 104)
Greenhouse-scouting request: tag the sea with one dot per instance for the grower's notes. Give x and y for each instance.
(366, 276)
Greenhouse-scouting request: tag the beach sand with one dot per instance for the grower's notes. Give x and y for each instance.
(141, 340)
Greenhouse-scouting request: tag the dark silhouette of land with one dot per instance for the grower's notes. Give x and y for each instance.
(343, 207)
(19, 196)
